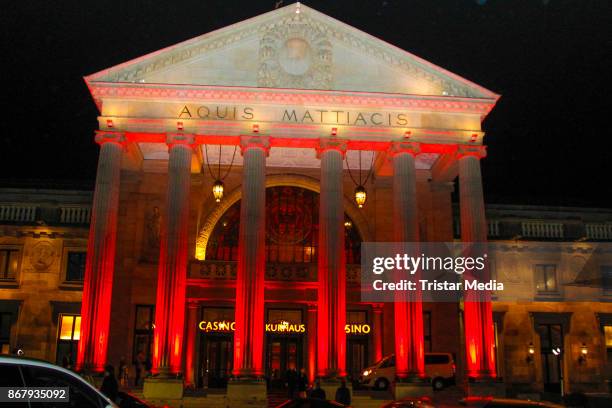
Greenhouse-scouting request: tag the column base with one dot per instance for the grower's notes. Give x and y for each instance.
(486, 388)
(417, 387)
(247, 393)
(164, 389)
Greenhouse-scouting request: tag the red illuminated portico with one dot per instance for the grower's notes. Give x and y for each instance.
(309, 97)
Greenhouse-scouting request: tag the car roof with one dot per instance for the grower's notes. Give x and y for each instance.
(46, 364)
(509, 401)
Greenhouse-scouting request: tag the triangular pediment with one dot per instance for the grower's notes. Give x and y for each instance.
(293, 47)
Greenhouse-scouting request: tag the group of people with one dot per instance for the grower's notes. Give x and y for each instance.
(297, 387)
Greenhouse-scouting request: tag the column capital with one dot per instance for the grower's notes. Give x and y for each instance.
(412, 148)
(328, 143)
(478, 151)
(183, 139)
(248, 142)
(103, 136)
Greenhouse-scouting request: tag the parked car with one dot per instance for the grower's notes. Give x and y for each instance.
(490, 402)
(411, 402)
(24, 372)
(439, 367)
(310, 403)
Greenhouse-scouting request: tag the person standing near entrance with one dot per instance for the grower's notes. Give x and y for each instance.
(343, 394)
(138, 367)
(291, 382)
(302, 383)
(318, 392)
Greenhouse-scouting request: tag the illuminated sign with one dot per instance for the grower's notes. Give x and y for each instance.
(278, 327)
(217, 326)
(361, 328)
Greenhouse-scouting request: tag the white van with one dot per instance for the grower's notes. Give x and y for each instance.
(439, 367)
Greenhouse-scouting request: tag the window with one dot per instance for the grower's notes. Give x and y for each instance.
(69, 333)
(143, 332)
(80, 394)
(9, 263)
(75, 267)
(606, 279)
(10, 376)
(546, 278)
(608, 343)
(437, 359)
(292, 229)
(5, 332)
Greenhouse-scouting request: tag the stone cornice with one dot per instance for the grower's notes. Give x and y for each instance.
(208, 93)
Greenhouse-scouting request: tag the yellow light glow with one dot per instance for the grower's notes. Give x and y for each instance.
(608, 335)
(77, 328)
(218, 190)
(360, 196)
(66, 327)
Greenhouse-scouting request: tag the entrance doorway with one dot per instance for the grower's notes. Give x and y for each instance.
(356, 356)
(216, 368)
(551, 350)
(284, 353)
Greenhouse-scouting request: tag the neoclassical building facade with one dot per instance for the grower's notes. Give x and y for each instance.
(228, 216)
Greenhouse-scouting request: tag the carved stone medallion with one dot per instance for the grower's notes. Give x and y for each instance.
(42, 256)
(295, 54)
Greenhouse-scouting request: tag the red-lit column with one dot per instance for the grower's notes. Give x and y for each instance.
(478, 316)
(192, 333)
(172, 271)
(331, 356)
(100, 264)
(249, 333)
(312, 341)
(408, 308)
(377, 332)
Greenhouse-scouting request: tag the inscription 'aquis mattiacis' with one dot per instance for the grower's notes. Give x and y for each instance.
(293, 115)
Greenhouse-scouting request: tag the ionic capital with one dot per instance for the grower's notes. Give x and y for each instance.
(249, 142)
(412, 148)
(326, 144)
(478, 151)
(180, 139)
(103, 136)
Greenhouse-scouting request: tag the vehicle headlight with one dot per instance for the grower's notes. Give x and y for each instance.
(367, 372)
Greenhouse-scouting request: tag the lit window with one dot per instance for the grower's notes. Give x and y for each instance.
(69, 333)
(608, 335)
(70, 327)
(546, 278)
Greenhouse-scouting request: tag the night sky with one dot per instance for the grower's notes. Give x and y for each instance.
(551, 60)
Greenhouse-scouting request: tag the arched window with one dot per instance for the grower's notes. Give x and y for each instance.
(292, 229)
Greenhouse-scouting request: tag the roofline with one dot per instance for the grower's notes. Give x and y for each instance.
(487, 94)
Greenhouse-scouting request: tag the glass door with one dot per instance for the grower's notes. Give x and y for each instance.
(551, 340)
(217, 361)
(356, 357)
(283, 354)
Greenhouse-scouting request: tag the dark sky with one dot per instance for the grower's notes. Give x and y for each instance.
(551, 60)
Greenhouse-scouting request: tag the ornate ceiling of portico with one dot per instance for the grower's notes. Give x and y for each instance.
(293, 47)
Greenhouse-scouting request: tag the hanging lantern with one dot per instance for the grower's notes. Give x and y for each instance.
(217, 190)
(360, 196)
